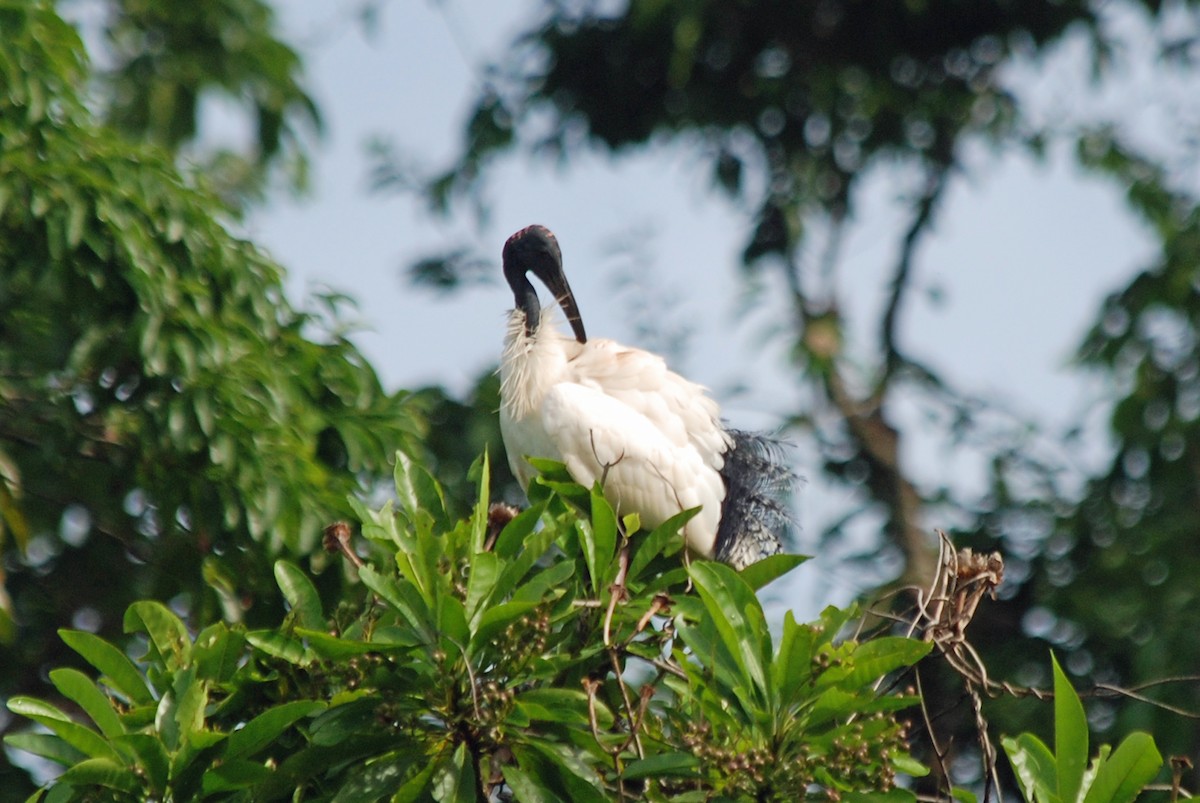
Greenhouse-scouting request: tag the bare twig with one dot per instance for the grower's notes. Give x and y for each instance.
(938, 753)
(617, 592)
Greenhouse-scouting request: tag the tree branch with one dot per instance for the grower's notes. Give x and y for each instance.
(935, 183)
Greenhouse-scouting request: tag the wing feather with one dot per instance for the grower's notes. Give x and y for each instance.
(645, 470)
(681, 410)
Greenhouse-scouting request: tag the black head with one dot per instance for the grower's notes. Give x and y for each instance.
(535, 249)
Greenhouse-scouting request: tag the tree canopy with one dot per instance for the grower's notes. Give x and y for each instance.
(169, 421)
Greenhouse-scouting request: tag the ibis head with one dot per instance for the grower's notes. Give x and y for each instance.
(535, 249)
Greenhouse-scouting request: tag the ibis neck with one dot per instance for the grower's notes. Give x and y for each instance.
(526, 300)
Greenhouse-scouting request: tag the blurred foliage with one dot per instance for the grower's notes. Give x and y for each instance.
(790, 107)
(168, 421)
(165, 58)
(489, 661)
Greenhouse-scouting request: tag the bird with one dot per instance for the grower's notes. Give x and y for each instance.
(618, 415)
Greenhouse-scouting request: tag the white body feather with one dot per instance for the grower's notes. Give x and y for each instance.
(617, 413)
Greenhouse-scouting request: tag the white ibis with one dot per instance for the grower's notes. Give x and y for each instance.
(618, 415)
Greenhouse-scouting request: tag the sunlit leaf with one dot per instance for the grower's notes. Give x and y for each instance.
(1128, 769)
(266, 727)
(1034, 766)
(116, 667)
(104, 772)
(1070, 736)
(78, 687)
(167, 632)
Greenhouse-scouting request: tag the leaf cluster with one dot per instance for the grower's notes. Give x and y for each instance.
(1114, 776)
(489, 661)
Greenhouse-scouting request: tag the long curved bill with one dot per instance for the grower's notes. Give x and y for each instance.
(557, 284)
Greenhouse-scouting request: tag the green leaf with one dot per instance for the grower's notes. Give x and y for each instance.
(553, 470)
(267, 726)
(873, 659)
(116, 667)
(527, 788)
(454, 781)
(404, 598)
(903, 762)
(167, 632)
(378, 779)
(547, 581)
(664, 539)
(46, 746)
(520, 566)
(76, 686)
(479, 518)
(702, 639)
(663, 765)
(1034, 766)
(792, 667)
(280, 646)
(343, 721)
(602, 542)
(511, 540)
(481, 585)
(231, 776)
(497, 618)
(418, 787)
(762, 572)
(739, 621)
(452, 621)
(832, 704)
(1131, 766)
(336, 648)
(1070, 736)
(560, 766)
(298, 767)
(181, 711)
(569, 706)
(83, 739)
(148, 752)
(300, 593)
(102, 772)
(217, 651)
(417, 490)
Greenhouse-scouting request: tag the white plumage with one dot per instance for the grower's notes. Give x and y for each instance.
(618, 414)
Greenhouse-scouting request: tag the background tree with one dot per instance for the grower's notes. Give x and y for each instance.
(792, 106)
(168, 420)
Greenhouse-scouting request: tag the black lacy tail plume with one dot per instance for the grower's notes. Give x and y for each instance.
(754, 516)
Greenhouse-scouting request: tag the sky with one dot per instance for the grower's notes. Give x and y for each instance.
(1019, 259)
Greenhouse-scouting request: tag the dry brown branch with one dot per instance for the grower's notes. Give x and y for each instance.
(942, 614)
